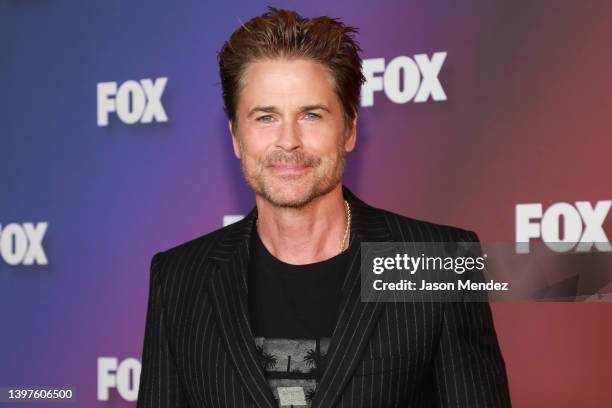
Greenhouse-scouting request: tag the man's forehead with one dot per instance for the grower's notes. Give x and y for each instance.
(278, 73)
(285, 62)
(284, 83)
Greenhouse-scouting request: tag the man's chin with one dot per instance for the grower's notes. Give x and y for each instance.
(289, 199)
(289, 193)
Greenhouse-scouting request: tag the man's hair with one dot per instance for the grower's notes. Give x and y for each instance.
(282, 33)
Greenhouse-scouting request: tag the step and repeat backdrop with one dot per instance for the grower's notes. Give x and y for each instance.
(493, 116)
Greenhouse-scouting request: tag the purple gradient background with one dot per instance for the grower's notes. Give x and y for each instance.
(527, 120)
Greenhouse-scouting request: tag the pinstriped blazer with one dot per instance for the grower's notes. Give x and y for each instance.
(199, 350)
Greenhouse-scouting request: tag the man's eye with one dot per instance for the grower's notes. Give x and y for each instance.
(312, 116)
(265, 118)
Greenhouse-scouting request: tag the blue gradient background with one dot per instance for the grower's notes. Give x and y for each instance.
(527, 120)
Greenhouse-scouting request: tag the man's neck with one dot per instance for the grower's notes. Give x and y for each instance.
(304, 235)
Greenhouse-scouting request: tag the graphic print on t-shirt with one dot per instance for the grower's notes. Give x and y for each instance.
(293, 368)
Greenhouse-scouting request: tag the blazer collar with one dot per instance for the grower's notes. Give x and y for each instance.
(368, 224)
(229, 293)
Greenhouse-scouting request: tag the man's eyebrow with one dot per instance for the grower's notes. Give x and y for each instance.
(272, 109)
(314, 107)
(266, 109)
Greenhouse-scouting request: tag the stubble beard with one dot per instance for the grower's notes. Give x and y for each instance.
(293, 191)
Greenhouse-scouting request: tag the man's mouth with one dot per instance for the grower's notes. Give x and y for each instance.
(288, 169)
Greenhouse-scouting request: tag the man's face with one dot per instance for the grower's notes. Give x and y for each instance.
(291, 135)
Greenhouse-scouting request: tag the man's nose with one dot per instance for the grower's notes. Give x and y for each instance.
(290, 137)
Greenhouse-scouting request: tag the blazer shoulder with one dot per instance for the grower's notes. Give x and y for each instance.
(191, 256)
(406, 228)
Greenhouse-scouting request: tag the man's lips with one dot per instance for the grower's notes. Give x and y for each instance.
(288, 168)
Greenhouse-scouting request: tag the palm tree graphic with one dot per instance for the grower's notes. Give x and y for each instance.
(268, 361)
(314, 358)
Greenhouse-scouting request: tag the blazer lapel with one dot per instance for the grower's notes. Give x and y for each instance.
(229, 293)
(356, 319)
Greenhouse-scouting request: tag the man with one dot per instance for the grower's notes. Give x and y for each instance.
(267, 312)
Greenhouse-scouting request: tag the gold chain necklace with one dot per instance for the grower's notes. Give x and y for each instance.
(348, 226)
(346, 231)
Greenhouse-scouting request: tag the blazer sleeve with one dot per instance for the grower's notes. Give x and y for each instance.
(159, 383)
(469, 370)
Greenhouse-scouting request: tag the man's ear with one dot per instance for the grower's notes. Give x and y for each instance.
(235, 143)
(351, 137)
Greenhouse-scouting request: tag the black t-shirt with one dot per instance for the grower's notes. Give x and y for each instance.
(293, 311)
